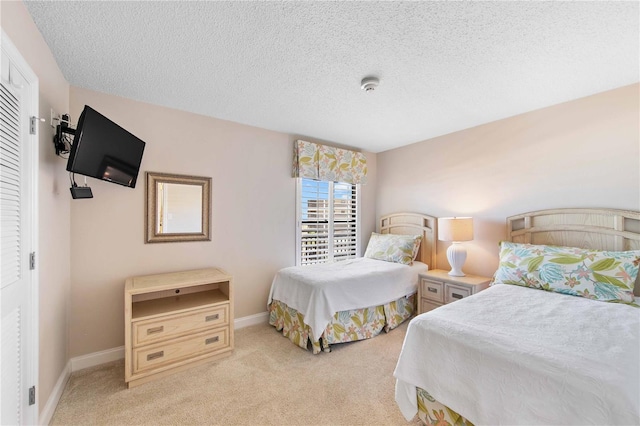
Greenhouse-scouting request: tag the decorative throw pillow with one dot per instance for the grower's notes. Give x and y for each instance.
(393, 248)
(600, 275)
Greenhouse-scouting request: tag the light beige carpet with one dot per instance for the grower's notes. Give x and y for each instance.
(266, 381)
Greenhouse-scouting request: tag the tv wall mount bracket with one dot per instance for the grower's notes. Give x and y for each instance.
(61, 141)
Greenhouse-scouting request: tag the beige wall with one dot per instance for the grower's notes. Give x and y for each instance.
(253, 214)
(584, 153)
(53, 199)
(82, 267)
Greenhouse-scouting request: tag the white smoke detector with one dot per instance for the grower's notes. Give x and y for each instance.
(369, 84)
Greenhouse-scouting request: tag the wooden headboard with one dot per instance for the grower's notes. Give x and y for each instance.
(414, 224)
(599, 229)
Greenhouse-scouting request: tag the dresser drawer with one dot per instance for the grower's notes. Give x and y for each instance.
(454, 292)
(426, 305)
(156, 355)
(158, 329)
(432, 290)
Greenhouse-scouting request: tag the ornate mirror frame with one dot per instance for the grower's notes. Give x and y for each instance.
(152, 208)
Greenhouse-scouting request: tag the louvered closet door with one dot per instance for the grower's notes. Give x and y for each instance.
(15, 236)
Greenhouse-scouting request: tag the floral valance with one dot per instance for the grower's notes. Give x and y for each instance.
(321, 162)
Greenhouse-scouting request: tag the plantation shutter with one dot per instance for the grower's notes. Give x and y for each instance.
(314, 229)
(327, 221)
(344, 221)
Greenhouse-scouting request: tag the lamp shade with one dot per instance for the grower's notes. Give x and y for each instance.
(455, 229)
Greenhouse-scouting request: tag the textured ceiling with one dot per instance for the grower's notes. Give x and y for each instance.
(296, 67)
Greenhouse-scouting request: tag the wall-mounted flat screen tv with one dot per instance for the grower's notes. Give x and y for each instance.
(103, 150)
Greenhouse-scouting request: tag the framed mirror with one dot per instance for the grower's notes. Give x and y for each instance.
(178, 208)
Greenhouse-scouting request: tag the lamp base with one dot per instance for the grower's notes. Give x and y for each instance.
(456, 255)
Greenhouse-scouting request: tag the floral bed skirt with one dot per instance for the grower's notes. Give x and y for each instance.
(345, 326)
(431, 412)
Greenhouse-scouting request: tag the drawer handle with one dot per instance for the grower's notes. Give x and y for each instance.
(211, 340)
(155, 355)
(155, 330)
(456, 296)
(212, 317)
(432, 289)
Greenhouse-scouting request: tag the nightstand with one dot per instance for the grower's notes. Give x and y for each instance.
(438, 288)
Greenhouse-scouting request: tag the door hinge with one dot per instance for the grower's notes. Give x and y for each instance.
(33, 125)
(32, 260)
(32, 395)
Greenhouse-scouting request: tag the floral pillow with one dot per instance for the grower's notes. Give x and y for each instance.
(393, 248)
(600, 275)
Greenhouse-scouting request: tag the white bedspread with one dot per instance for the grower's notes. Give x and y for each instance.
(513, 355)
(319, 291)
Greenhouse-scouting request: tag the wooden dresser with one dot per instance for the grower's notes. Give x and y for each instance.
(175, 321)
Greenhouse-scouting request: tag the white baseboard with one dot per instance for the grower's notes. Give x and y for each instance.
(96, 358)
(261, 318)
(50, 407)
(114, 354)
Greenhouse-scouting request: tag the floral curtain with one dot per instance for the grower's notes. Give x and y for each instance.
(321, 162)
(305, 160)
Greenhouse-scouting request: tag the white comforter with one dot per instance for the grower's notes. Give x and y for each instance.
(513, 355)
(319, 291)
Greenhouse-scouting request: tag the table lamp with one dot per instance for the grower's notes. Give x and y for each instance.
(456, 229)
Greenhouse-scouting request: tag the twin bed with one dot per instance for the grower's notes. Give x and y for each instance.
(517, 354)
(534, 348)
(354, 299)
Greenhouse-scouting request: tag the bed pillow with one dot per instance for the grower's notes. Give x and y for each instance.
(393, 248)
(600, 275)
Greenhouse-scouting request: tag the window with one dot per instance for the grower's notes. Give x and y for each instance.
(327, 221)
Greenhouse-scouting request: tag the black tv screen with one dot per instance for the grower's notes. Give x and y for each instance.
(103, 150)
